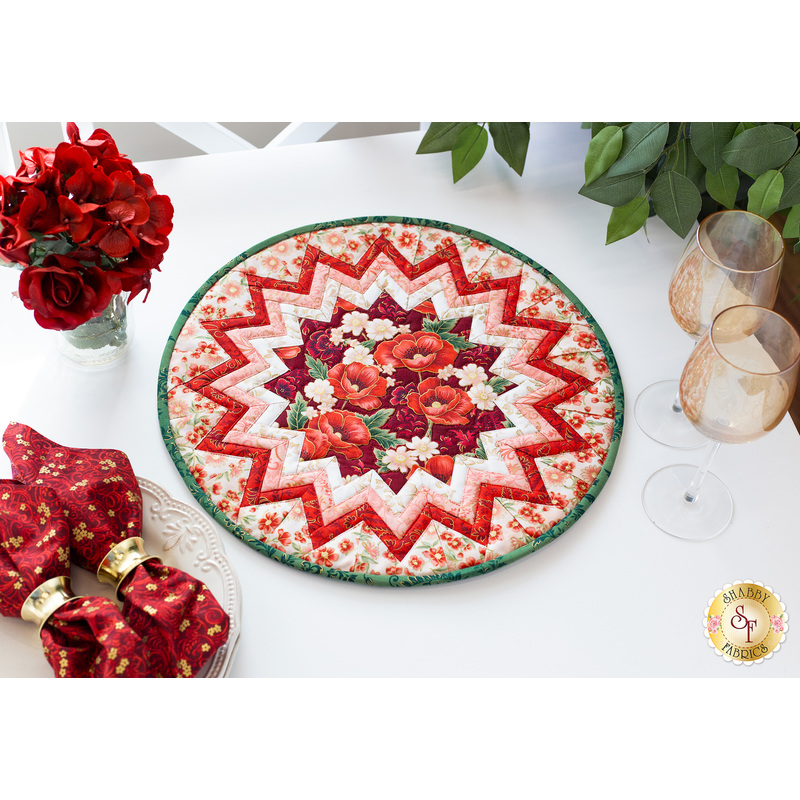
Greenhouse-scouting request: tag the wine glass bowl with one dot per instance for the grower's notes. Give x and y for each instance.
(737, 386)
(739, 381)
(735, 258)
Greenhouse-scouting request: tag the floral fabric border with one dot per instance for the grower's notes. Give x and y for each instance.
(390, 400)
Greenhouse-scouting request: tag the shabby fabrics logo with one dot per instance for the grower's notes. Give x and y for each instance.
(745, 622)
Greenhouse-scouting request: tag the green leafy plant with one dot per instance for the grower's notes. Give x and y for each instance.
(678, 171)
(467, 141)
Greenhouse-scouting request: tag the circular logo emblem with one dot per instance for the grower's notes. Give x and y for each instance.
(745, 622)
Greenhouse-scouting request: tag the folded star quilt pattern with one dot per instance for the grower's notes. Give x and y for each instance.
(390, 400)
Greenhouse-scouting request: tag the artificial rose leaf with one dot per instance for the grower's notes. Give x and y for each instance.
(708, 139)
(723, 185)
(441, 136)
(468, 150)
(791, 183)
(627, 219)
(614, 190)
(764, 196)
(602, 152)
(511, 140)
(642, 145)
(761, 148)
(676, 200)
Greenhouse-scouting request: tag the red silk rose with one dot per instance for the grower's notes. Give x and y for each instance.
(85, 202)
(343, 431)
(62, 293)
(421, 351)
(441, 404)
(359, 384)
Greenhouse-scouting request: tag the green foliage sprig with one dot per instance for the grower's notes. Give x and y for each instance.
(467, 141)
(678, 171)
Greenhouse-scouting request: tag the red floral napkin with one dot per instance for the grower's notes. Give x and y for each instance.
(84, 637)
(181, 623)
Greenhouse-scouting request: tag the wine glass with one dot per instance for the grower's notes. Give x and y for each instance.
(736, 387)
(735, 258)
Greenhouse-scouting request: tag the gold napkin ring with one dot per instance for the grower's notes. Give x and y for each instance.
(121, 559)
(46, 599)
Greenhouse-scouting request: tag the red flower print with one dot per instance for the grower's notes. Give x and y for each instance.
(325, 556)
(343, 431)
(345, 546)
(360, 384)
(287, 352)
(440, 467)
(416, 563)
(441, 404)
(420, 352)
(315, 445)
(437, 556)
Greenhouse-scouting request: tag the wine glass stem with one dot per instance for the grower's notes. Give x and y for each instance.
(694, 487)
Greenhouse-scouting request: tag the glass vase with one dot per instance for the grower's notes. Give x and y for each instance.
(100, 340)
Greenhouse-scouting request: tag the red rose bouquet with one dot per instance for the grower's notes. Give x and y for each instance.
(84, 224)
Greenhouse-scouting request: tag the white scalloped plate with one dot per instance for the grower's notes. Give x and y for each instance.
(182, 537)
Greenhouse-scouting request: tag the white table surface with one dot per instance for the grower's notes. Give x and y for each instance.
(612, 597)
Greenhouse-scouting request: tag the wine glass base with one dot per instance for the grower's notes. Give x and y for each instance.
(655, 415)
(663, 498)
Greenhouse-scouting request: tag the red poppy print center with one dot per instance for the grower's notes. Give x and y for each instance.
(391, 390)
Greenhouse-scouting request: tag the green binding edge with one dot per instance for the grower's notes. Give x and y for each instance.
(358, 577)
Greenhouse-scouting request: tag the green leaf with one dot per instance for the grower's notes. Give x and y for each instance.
(762, 148)
(642, 145)
(602, 152)
(379, 454)
(438, 325)
(480, 451)
(368, 343)
(376, 420)
(468, 150)
(796, 248)
(676, 200)
(708, 139)
(511, 140)
(458, 342)
(764, 196)
(791, 183)
(724, 185)
(627, 219)
(386, 439)
(316, 368)
(791, 228)
(682, 159)
(441, 136)
(498, 384)
(296, 419)
(614, 190)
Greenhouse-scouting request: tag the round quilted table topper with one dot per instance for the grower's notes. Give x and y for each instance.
(390, 400)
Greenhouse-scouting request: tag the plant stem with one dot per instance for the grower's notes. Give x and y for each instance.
(694, 487)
